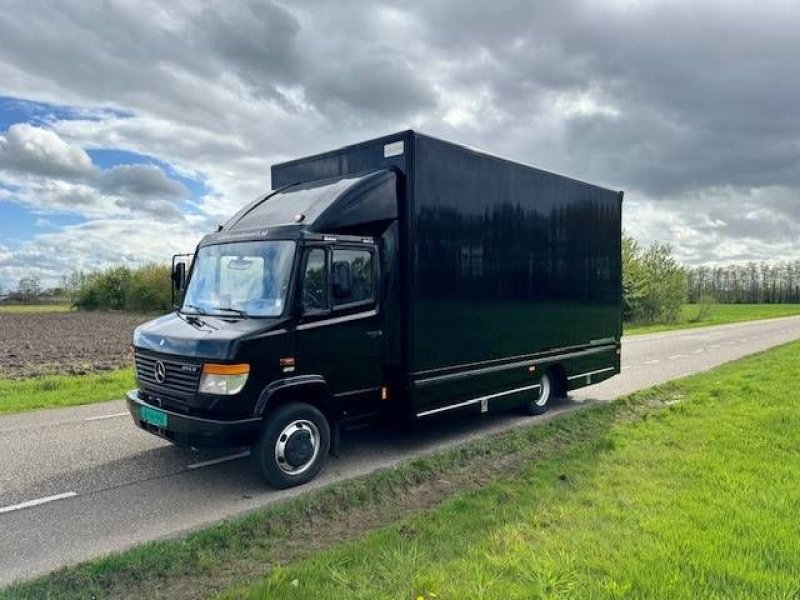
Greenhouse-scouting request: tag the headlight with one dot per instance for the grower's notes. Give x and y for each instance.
(223, 380)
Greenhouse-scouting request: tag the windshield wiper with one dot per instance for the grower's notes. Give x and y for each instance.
(198, 309)
(241, 313)
(194, 318)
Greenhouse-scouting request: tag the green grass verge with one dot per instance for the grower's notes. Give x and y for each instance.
(720, 314)
(699, 500)
(64, 390)
(33, 308)
(685, 490)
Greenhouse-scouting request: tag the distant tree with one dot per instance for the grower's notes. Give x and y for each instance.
(665, 284)
(72, 285)
(634, 280)
(28, 289)
(654, 283)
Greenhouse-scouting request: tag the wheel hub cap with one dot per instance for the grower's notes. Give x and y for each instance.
(297, 447)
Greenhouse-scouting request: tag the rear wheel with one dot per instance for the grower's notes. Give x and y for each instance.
(543, 396)
(293, 446)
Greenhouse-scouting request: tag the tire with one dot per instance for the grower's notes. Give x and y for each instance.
(293, 445)
(543, 397)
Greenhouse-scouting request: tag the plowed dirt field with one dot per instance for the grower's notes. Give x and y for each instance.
(74, 343)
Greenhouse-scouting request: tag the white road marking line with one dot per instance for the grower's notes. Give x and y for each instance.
(674, 356)
(101, 417)
(655, 361)
(715, 346)
(625, 368)
(217, 461)
(37, 502)
(698, 351)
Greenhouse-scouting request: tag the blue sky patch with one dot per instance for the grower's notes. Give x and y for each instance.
(16, 110)
(19, 223)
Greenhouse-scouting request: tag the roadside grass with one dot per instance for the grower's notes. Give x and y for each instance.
(719, 314)
(684, 490)
(52, 391)
(33, 308)
(697, 500)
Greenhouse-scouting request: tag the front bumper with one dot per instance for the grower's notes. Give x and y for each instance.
(185, 430)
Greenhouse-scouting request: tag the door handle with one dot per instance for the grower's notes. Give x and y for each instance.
(375, 333)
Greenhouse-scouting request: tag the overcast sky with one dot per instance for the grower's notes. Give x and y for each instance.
(128, 129)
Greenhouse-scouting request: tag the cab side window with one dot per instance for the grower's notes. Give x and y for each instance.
(352, 277)
(315, 282)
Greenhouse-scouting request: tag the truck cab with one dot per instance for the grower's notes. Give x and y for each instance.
(282, 314)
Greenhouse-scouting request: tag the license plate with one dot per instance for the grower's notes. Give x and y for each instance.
(153, 416)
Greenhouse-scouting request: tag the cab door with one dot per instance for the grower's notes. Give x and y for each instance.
(339, 334)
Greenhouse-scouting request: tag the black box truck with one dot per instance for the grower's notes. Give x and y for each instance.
(405, 277)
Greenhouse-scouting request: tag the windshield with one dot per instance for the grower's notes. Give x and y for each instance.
(243, 278)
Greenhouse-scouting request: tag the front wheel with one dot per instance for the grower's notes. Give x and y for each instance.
(293, 446)
(539, 404)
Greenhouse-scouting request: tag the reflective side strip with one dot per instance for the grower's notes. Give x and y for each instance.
(483, 400)
(590, 373)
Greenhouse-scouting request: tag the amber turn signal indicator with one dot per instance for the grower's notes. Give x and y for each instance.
(216, 369)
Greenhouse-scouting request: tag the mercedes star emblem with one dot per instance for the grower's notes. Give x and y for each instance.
(160, 371)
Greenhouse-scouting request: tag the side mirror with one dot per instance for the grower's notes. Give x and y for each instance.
(342, 279)
(179, 276)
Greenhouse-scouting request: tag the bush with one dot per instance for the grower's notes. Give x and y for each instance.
(654, 284)
(705, 304)
(145, 288)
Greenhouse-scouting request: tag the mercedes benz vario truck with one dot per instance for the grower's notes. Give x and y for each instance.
(404, 277)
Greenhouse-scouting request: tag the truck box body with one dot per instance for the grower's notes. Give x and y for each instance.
(501, 261)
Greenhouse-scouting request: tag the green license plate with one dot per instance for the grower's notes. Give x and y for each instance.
(153, 416)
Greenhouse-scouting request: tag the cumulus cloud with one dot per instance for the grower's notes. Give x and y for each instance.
(42, 152)
(50, 174)
(720, 225)
(139, 180)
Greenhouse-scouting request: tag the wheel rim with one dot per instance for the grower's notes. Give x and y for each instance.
(297, 447)
(544, 392)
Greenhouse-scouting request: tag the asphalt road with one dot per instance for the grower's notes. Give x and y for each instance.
(81, 482)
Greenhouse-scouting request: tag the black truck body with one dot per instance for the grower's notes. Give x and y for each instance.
(403, 276)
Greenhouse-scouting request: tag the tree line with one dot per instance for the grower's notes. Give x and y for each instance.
(751, 283)
(655, 285)
(145, 288)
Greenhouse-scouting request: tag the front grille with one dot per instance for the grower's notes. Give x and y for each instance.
(180, 377)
